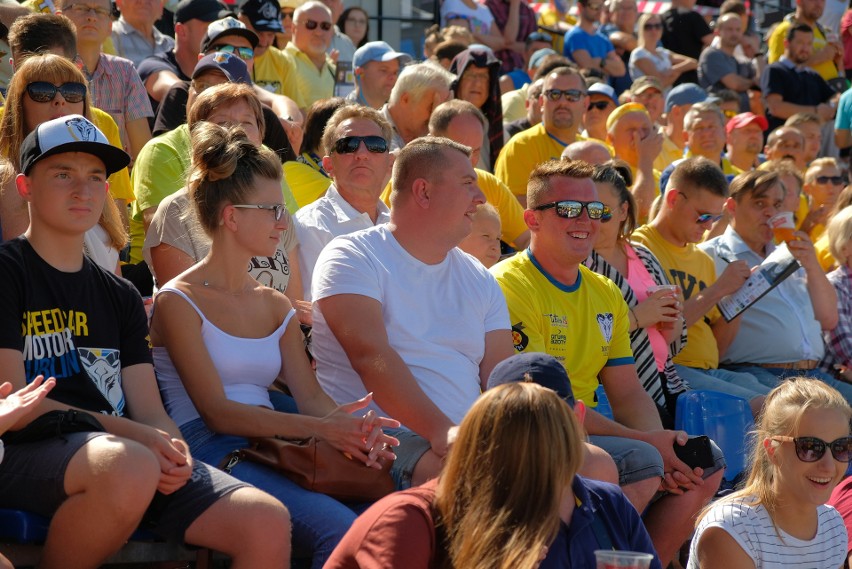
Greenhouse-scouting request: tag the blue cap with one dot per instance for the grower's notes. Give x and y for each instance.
(535, 58)
(232, 66)
(601, 88)
(534, 367)
(377, 51)
(685, 94)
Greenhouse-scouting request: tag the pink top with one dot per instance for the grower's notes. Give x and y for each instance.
(640, 280)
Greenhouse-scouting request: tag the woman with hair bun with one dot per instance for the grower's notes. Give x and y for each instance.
(221, 339)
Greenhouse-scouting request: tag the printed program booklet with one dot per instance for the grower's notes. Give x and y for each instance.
(779, 265)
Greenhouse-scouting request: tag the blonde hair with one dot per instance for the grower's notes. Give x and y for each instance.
(494, 509)
(781, 414)
(643, 19)
(839, 231)
(819, 163)
(485, 211)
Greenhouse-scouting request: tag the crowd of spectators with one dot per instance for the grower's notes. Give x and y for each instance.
(337, 239)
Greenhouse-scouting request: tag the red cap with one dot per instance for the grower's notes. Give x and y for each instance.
(745, 119)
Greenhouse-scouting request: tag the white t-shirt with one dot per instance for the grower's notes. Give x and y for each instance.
(662, 62)
(752, 529)
(436, 316)
(479, 18)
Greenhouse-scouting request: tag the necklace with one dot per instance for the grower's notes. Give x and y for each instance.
(241, 292)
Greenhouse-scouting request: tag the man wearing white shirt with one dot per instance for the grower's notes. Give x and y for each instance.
(356, 143)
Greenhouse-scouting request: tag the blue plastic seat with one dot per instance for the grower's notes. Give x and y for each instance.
(18, 526)
(603, 407)
(724, 418)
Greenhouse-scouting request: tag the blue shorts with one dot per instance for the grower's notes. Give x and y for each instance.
(411, 449)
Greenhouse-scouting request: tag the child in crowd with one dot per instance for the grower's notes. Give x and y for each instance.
(484, 239)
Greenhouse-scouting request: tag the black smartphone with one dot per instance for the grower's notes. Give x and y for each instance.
(696, 452)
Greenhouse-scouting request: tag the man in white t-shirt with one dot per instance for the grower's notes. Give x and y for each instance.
(401, 312)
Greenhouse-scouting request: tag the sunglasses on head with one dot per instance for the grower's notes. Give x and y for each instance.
(350, 144)
(44, 92)
(570, 209)
(276, 209)
(573, 95)
(244, 53)
(312, 25)
(599, 105)
(811, 449)
(835, 180)
(652, 26)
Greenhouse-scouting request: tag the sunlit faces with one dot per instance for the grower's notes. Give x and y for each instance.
(809, 483)
(313, 41)
(608, 233)
(453, 196)
(599, 109)
(235, 42)
(688, 207)
(729, 28)
(653, 101)
(563, 114)
(752, 214)
(192, 32)
(572, 239)
(793, 190)
(66, 192)
(136, 11)
(467, 130)
(355, 25)
(484, 239)
(377, 78)
(238, 113)
(474, 85)
(91, 19)
(418, 111)
(257, 229)
(265, 39)
(362, 171)
(37, 113)
(706, 136)
(813, 139)
(812, 9)
(800, 47)
(787, 142)
(623, 135)
(748, 139)
(824, 185)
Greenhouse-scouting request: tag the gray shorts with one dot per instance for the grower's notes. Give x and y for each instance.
(411, 449)
(32, 478)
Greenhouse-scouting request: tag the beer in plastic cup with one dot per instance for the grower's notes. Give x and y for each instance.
(783, 227)
(622, 559)
(673, 293)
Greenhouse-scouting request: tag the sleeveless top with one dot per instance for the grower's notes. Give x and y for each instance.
(246, 366)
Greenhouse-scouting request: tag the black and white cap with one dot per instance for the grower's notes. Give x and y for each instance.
(72, 133)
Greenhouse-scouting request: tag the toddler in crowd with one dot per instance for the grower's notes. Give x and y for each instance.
(484, 239)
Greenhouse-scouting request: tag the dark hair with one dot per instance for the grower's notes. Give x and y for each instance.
(318, 115)
(732, 7)
(224, 166)
(550, 63)
(754, 182)
(449, 49)
(699, 173)
(341, 23)
(804, 28)
(616, 172)
(37, 33)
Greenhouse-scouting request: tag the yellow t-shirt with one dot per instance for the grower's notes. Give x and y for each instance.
(514, 104)
(826, 259)
(550, 18)
(523, 153)
(272, 71)
(307, 183)
(307, 83)
(692, 270)
(775, 49)
(668, 154)
(584, 326)
(119, 183)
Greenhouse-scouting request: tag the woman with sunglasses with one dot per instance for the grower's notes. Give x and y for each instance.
(823, 183)
(801, 449)
(46, 87)
(649, 58)
(221, 339)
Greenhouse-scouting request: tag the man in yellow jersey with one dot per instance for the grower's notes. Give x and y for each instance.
(558, 306)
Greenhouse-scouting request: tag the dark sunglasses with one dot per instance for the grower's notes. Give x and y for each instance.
(653, 26)
(244, 53)
(312, 25)
(44, 92)
(288, 14)
(573, 95)
(350, 144)
(835, 180)
(703, 217)
(570, 209)
(599, 105)
(276, 209)
(811, 449)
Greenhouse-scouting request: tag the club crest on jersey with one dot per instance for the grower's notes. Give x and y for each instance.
(605, 325)
(519, 339)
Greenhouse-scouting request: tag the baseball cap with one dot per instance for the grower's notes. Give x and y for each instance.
(71, 133)
(535, 58)
(264, 15)
(204, 10)
(644, 83)
(377, 51)
(534, 367)
(745, 119)
(233, 67)
(600, 88)
(229, 26)
(685, 94)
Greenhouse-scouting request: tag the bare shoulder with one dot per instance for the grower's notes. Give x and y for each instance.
(718, 549)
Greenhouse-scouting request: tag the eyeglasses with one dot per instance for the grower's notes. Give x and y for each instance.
(811, 449)
(350, 144)
(244, 53)
(359, 21)
(570, 209)
(599, 105)
(573, 95)
(44, 92)
(834, 180)
(276, 209)
(287, 14)
(312, 25)
(85, 9)
(657, 26)
(702, 217)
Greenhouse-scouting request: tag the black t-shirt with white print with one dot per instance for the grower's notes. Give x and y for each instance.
(81, 328)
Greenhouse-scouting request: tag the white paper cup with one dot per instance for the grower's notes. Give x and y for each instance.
(622, 559)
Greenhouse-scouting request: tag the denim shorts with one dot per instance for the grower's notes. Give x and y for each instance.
(411, 449)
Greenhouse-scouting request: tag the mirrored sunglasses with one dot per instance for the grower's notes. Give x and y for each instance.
(811, 449)
(44, 92)
(570, 209)
(573, 95)
(244, 53)
(350, 144)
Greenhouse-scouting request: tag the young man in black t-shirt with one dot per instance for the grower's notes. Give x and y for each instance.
(64, 317)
